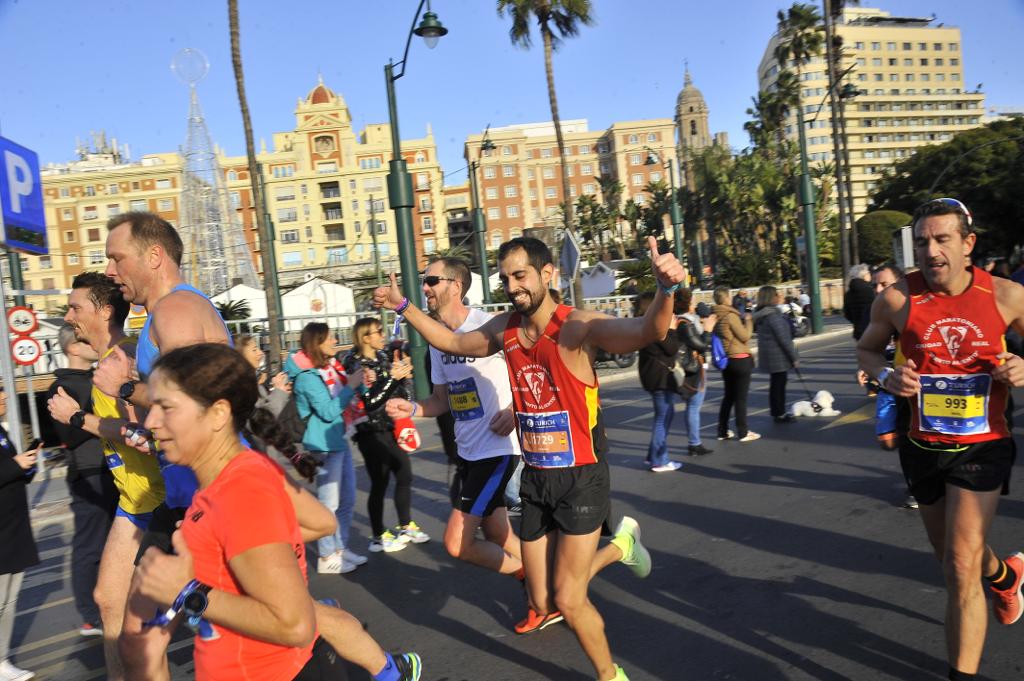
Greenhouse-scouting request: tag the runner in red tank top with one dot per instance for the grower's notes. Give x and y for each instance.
(957, 452)
(550, 351)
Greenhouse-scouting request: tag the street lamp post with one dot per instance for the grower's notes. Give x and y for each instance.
(480, 223)
(674, 212)
(806, 198)
(400, 194)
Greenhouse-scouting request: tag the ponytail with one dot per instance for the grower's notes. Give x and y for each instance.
(262, 425)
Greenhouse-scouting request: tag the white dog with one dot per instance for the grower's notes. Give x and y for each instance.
(822, 398)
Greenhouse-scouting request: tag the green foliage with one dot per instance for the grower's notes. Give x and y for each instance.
(641, 274)
(234, 310)
(874, 234)
(746, 269)
(981, 167)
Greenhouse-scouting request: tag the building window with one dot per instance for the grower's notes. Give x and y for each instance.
(656, 176)
(359, 227)
(584, 148)
(588, 188)
(69, 237)
(325, 167)
(428, 223)
(378, 206)
(113, 209)
(637, 180)
(96, 257)
(890, 46)
(511, 191)
(548, 172)
(112, 188)
(292, 258)
(953, 47)
(651, 137)
(634, 159)
(45, 263)
(876, 46)
(333, 212)
(422, 181)
(424, 203)
(490, 172)
(373, 184)
(289, 236)
(491, 193)
(550, 192)
(72, 258)
(495, 240)
(858, 45)
(586, 169)
(533, 192)
(922, 46)
(429, 246)
(508, 171)
(545, 152)
(382, 227)
(877, 61)
(337, 256)
(493, 213)
(283, 171)
(420, 158)
(163, 184)
(530, 174)
(287, 215)
(67, 214)
(65, 192)
(90, 191)
(907, 46)
(355, 206)
(602, 148)
(335, 233)
(93, 234)
(512, 211)
(369, 163)
(633, 139)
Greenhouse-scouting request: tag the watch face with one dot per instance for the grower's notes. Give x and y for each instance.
(195, 603)
(126, 390)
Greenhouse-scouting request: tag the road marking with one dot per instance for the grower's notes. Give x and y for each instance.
(44, 606)
(864, 413)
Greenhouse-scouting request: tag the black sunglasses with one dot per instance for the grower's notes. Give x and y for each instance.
(434, 280)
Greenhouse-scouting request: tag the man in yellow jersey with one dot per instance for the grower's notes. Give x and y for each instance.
(96, 311)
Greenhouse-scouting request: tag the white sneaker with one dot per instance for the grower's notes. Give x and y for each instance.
(667, 468)
(750, 436)
(8, 672)
(330, 565)
(352, 557)
(412, 533)
(387, 543)
(728, 435)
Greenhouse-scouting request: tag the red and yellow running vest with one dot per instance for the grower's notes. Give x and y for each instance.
(954, 341)
(558, 416)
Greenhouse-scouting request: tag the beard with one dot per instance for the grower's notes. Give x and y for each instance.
(536, 299)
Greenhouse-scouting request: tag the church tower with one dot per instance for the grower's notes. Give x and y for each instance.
(691, 119)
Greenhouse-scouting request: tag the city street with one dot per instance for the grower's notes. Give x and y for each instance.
(786, 558)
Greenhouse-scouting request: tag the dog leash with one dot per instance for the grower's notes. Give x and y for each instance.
(810, 398)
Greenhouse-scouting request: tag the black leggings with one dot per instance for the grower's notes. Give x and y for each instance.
(777, 393)
(736, 377)
(383, 456)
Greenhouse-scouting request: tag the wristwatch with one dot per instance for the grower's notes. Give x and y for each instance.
(77, 419)
(884, 375)
(126, 390)
(196, 602)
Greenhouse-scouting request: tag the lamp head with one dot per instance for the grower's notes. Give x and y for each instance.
(652, 159)
(430, 29)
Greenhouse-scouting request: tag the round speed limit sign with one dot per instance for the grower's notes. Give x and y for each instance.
(22, 320)
(25, 351)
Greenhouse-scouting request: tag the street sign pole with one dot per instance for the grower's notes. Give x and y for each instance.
(7, 366)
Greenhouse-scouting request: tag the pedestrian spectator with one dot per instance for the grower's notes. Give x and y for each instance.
(858, 298)
(739, 301)
(776, 353)
(695, 334)
(322, 393)
(90, 482)
(19, 547)
(274, 392)
(804, 301)
(1018, 275)
(656, 361)
(734, 329)
(374, 434)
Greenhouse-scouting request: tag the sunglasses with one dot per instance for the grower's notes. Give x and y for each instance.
(434, 280)
(953, 203)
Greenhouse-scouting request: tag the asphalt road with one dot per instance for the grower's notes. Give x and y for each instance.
(785, 558)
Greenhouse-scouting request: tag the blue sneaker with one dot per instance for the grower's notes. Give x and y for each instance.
(409, 666)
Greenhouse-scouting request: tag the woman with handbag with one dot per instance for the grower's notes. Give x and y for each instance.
(734, 329)
(658, 376)
(776, 352)
(694, 334)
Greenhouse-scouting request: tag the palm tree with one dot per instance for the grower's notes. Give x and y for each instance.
(453, 251)
(611, 195)
(801, 36)
(234, 310)
(556, 20)
(263, 229)
(631, 213)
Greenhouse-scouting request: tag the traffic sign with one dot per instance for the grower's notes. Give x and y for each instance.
(23, 226)
(569, 259)
(25, 350)
(22, 320)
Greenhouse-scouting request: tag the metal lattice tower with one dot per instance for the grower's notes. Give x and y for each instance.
(216, 256)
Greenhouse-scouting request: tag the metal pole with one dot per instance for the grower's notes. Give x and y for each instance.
(10, 383)
(806, 198)
(851, 214)
(675, 213)
(373, 235)
(480, 230)
(17, 282)
(834, 101)
(33, 411)
(400, 197)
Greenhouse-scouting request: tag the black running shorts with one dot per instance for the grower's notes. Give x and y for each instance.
(574, 500)
(980, 467)
(161, 527)
(324, 664)
(479, 486)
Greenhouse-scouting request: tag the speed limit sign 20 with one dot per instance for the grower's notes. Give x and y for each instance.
(25, 351)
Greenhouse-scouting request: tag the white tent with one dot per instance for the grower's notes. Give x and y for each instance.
(318, 297)
(256, 299)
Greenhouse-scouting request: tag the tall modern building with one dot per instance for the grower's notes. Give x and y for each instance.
(910, 72)
(319, 177)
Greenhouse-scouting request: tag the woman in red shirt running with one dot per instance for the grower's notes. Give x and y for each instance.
(238, 576)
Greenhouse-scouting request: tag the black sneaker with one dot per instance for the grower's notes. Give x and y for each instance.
(514, 511)
(785, 418)
(699, 450)
(409, 666)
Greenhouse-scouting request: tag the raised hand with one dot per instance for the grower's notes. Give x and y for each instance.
(667, 270)
(388, 297)
(112, 372)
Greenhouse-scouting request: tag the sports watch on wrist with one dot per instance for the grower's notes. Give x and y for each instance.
(77, 419)
(127, 389)
(884, 375)
(195, 602)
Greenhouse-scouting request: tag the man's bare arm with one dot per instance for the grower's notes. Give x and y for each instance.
(885, 311)
(1010, 300)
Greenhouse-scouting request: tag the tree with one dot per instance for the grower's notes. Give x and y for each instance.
(259, 201)
(457, 251)
(874, 234)
(611, 195)
(801, 36)
(556, 21)
(234, 310)
(981, 167)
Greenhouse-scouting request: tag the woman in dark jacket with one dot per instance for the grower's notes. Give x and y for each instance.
(19, 548)
(375, 436)
(694, 334)
(775, 350)
(655, 366)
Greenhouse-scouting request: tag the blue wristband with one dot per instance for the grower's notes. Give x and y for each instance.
(670, 289)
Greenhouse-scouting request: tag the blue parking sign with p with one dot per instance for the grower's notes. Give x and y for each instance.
(21, 196)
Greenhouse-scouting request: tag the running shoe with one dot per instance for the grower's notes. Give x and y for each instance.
(350, 556)
(387, 542)
(699, 450)
(514, 511)
(634, 555)
(667, 467)
(536, 622)
(728, 435)
(8, 672)
(330, 565)
(910, 502)
(750, 436)
(412, 533)
(1006, 604)
(409, 666)
(620, 675)
(90, 629)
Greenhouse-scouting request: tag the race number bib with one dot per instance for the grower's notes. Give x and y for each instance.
(464, 400)
(546, 439)
(953, 404)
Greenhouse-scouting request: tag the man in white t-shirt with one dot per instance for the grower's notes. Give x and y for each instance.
(477, 392)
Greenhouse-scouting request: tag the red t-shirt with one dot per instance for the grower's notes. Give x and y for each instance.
(245, 507)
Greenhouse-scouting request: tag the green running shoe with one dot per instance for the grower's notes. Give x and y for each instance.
(409, 666)
(634, 555)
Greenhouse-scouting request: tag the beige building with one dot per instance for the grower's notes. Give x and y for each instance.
(520, 181)
(319, 180)
(910, 72)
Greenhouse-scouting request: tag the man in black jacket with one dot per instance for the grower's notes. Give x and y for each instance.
(858, 299)
(93, 494)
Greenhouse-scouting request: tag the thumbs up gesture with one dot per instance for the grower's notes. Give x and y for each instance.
(388, 297)
(667, 270)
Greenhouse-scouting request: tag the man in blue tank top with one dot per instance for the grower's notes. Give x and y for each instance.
(144, 259)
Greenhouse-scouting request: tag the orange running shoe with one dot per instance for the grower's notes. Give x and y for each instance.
(536, 622)
(1006, 604)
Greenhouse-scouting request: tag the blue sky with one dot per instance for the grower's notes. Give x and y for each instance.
(70, 67)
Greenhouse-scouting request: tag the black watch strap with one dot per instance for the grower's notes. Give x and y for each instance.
(127, 390)
(77, 419)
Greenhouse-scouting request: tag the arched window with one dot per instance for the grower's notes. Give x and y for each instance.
(693, 127)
